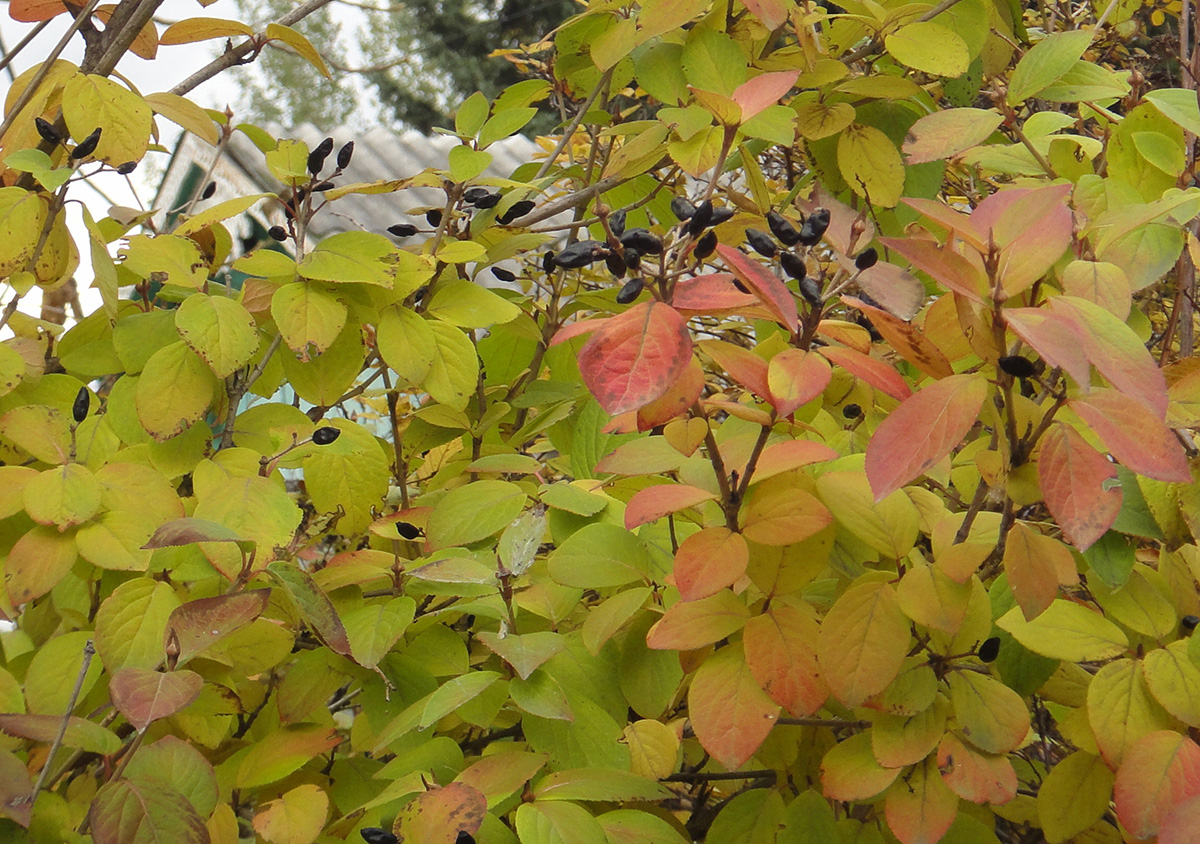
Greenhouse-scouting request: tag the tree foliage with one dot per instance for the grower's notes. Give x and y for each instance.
(821, 469)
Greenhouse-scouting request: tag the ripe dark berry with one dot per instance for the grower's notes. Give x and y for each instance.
(989, 650)
(852, 411)
(375, 835)
(705, 246)
(548, 263)
(814, 227)
(737, 282)
(83, 401)
(866, 259)
(633, 258)
(643, 241)
(278, 233)
(793, 265)
(783, 230)
(516, 211)
(1017, 366)
(316, 158)
(761, 242)
(326, 435)
(721, 215)
(631, 290)
(127, 168)
(616, 223)
(701, 219)
(87, 146)
(491, 200)
(615, 264)
(682, 208)
(434, 217)
(473, 195)
(321, 187)
(582, 253)
(46, 129)
(408, 531)
(345, 154)
(1189, 622)
(209, 190)
(464, 837)
(810, 289)
(402, 230)
(503, 274)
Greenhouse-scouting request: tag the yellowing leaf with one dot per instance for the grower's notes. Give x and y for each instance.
(944, 134)
(990, 715)
(468, 305)
(864, 640)
(689, 625)
(1174, 680)
(929, 47)
(1121, 709)
(729, 712)
(308, 315)
(64, 496)
(297, 817)
(219, 330)
(1074, 796)
(91, 102)
(871, 165)
(921, 807)
(653, 747)
(1068, 631)
(1046, 63)
(283, 752)
(474, 512)
(302, 46)
(849, 770)
(128, 810)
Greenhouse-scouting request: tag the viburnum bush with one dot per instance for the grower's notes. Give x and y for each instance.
(800, 449)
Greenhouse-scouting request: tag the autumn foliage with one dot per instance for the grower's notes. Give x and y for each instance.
(799, 449)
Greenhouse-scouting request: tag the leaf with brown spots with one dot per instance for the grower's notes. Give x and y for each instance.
(439, 815)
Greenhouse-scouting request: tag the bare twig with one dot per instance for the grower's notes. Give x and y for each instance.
(89, 651)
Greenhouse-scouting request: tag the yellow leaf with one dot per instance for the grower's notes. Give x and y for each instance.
(91, 102)
(305, 49)
(871, 165)
(653, 747)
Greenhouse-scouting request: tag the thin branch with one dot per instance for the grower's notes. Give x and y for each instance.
(716, 776)
(89, 651)
(21, 45)
(569, 132)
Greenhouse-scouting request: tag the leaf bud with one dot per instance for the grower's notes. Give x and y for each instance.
(503, 274)
(705, 246)
(852, 411)
(631, 290)
(325, 435)
(793, 265)
(810, 289)
(87, 146)
(1017, 366)
(83, 401)
(989, 650)
(46, 129)
(376, 835)
(761, 242)
(616, 223)
(408, 530)
(701, 219)
(402, 230)
(516, 211)
(209, 190)
(434, 217)
(814, 227)
(127, 168)
(345, 154)
(782, 228)
(866, 259)
(278, 233)
(316, 158)
(682, 208)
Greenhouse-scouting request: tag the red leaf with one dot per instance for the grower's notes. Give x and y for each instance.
(198, 624)
(1057, 339)
(907, 340)
(689, 625)
(773, 13)
(766, 285)
(16, 789)
(1159, 772)
(946, 217)
(795, 378)
(575, 329)
(145, 696)
(438, 816)
(1073, 476)
(974, 775)
(942, 264)
(654, 502)
(1179, 827)
(923, 430)
(1032, 227)
(675, 402)
(780, 650)
(878, 374)
(742, 365)
(764, 90)
(1134, 434)
(729, 712)
(708, 561)
(636, 357)
(710, 294)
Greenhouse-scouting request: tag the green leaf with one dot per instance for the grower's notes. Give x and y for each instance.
(174, 391)
(467, 163)
(597, 784)
(283, 752)
(351, 474)
(929, 47)
(407, 343)
(136, 811)
(471, 114)
(1179, 106)
(1046, 63)
(557, 823)
(871, 164)
(455, 693)
(525, 653)
(219, 330)
(468, 305)
(351, 257)
(1066, 631)
(375, 628)
(455, 367)
(131, 622)
(599, 556)
(474, 512)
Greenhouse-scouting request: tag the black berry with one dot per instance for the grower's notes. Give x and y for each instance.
(682, 208)
(326, 435)
(316, 158)
(721, 215)
(643, 241)
(582, 253)
(990, 649)
(633, 258)
(1189, 622)
(87, 146)
(814, 227)
(408, 531)
(810, 289)
(402, 230)
(701, 219)
(516, 211)
(630, 291)
(615, 264)
(503, 274)
(127, 168)
(852, 411)
(46, 129)
(616, 223)
(705, 246)
(344, 155)
(491, 200)
(434, 216)
(375, 835)
(1017, 366)
(473, 195)
(866, 259)
(793, 265)
(761, 242)
(83, 401)
(209, 190)
(278, 233)
(783, 230)
(548, 262)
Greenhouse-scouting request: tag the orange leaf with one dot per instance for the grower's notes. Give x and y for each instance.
(785, 456)
(783, 516)
(689, 625)
(773, 13)
(878, 374)
(742, 365)
(675, 402)
(920, 808)
(708, 561)
(729, 712)
(796, 377)
(1074, 476)
(764, 90)
(145, 45)
(849, 770)
(438, 816)
(1032, 562)
(1134, 434)
(910, 343)
(780, 651)
(1160, 771)
(144, 696)
(942, 264)
(635, 357)
(1180, 825)
(864, 640)
(974, 775)
(654, 502)
(923, 430)
(33, 11)
(1052, 336)
(764, 284)
(710, 294)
